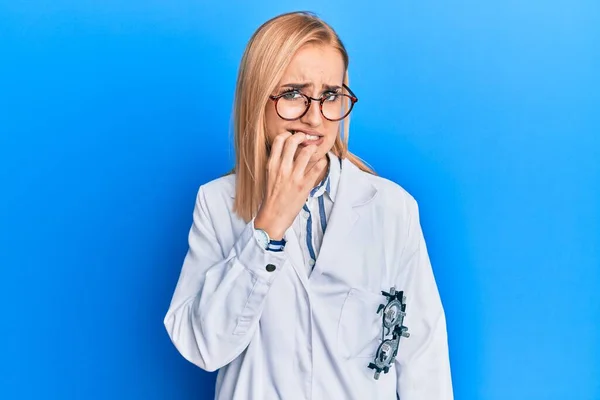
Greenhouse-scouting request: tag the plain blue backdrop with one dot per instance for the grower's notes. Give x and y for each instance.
(112, 113)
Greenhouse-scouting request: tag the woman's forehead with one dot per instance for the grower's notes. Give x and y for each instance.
(316, 65)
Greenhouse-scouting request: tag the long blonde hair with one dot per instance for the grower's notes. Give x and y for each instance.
(265, 59)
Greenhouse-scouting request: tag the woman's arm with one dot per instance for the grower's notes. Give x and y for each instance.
(218, 301)
(422, 364)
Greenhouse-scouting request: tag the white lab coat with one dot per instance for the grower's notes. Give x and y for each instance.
(284, 335)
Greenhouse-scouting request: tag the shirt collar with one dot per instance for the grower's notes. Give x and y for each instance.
(330, 182)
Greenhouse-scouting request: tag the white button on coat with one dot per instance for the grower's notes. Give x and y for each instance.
(285, 335)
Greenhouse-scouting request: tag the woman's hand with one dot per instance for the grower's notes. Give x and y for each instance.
(289, 182)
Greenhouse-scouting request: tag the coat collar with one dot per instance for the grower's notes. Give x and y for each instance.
(352, 183)
(355, 191)
(355, 185)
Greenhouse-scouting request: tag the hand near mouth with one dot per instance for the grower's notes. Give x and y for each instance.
(289, 181)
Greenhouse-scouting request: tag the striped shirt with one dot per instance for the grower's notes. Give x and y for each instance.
(311, 223)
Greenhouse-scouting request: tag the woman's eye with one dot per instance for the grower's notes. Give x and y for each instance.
(333, 96)
(291, 95)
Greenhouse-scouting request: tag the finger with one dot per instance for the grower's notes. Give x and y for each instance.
(304, 156)
(276, 150)
(289, 150)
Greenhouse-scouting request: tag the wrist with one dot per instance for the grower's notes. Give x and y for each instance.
(267, 225)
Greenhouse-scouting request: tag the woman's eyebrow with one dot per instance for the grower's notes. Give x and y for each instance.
(331, 87)
(297, 85)
(305, 85)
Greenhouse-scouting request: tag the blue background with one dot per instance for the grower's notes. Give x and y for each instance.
(112, 113)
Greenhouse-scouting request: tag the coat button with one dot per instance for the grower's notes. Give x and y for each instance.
(270, 267)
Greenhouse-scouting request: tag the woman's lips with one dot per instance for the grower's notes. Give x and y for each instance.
(310, 138)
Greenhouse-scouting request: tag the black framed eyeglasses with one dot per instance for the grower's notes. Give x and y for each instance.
(293, 104)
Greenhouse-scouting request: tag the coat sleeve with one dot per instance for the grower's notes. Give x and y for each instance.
(219, 299)
(422, 364)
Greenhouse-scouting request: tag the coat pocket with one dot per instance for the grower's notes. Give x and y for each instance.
(360, 326)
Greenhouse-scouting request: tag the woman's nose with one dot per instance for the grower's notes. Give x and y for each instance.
(313, 116)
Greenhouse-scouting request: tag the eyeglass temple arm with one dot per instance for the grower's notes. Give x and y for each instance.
(350, 91)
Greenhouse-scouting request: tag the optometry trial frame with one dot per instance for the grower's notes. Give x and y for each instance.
(392, 320)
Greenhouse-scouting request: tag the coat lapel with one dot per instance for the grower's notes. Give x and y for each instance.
(354, 191)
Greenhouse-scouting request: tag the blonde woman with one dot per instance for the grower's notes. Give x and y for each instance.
(307, 275)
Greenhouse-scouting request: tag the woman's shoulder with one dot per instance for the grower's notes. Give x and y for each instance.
(392, 194)
(218, 192)
(221, 186)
